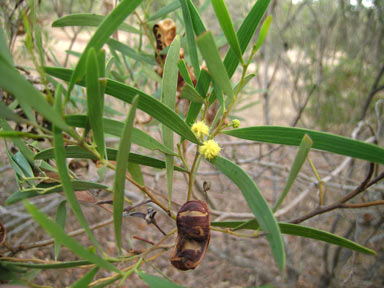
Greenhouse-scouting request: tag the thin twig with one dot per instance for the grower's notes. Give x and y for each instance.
(339, 204)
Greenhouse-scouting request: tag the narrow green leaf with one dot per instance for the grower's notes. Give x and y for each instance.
(263, 33)
(157, 282)
(215, 66)
(61, 265)
(197, 22)
(135, 171)
(302, 231)
(61, 236)
(87, 279)
(19, 172)
(61, 216)
(22, 162)
(92, 20)
(321, 141)
(301, 156)
(165, 10)
(101, 36)
(190, 93)
(23, 148)
(95, 100)
(4, 51)
(257, 204)
(168, 98)
(202, 87)
(226, 24)
(24, 92)
(61, 165)
(192, 51)
(19, 134)
(131, 53)
(102, 82)
(147, 103)
(19, 144)
(78, 152)
(115, 128)
(8, 114)
(45, 189)
(245, 34)
(121, 168)
(219, 95)
(184, 72)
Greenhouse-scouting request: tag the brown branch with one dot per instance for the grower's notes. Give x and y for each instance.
(372, 93)
(339, 204)
(363, 205)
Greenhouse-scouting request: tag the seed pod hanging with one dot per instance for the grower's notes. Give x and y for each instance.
(193, 235)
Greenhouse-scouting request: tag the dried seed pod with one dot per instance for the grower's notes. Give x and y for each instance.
(165, 32)
(193, 235)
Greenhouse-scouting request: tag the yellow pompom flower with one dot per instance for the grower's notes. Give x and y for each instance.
(200, 129)
(210, 149)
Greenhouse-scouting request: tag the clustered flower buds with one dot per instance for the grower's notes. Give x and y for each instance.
(210, 149)
(235, 123)
(200, 129)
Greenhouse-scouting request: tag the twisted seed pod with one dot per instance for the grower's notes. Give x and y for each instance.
(193, 235)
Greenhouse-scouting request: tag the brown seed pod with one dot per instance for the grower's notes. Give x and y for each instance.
(193, 235)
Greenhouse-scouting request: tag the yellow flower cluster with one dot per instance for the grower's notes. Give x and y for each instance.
(235, 123)
(200, 129)
(210, 149)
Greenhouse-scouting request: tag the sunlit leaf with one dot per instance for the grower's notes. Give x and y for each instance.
(120, 172)
(215, 66)
(257, 204)
(321, 141)
(226, 24)
(301, 156)
(263, 33)
(95, 101)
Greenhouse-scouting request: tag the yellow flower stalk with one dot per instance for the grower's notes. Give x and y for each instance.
(200, 129)
(210, 149)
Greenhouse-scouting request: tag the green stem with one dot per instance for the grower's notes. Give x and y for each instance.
(181, 156)
(192, 175)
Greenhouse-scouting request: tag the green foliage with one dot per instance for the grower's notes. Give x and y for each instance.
(126, 73)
